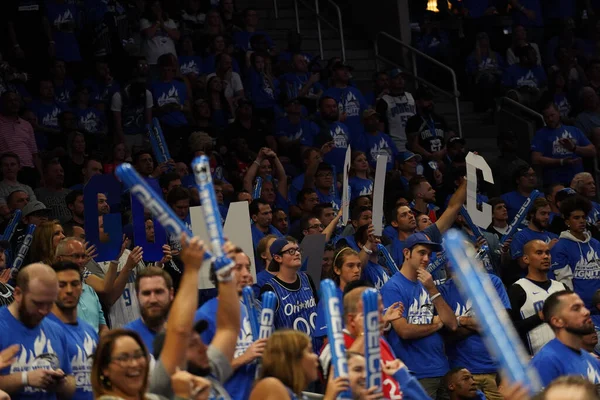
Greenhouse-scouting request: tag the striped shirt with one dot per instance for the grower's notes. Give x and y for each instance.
(16, 135)
(126, 309)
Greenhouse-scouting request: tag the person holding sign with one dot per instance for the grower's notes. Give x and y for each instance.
(570, 320)
(415, 337)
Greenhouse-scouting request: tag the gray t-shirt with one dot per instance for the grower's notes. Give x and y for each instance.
(6, 189)
(220, 369)
(55, 201)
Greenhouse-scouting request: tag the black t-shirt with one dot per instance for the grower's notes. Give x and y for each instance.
(422, 127)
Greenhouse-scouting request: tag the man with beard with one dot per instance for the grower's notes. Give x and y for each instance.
(539, 221)
(247, 348)
(527, 296)
(154, 291)
(424, 197)
(182, 343)
(570, 320)
(43, 369)
(82, 338)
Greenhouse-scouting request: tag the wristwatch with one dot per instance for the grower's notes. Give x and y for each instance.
(366, 250)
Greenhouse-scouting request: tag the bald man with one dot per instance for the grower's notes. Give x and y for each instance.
(527, 296)
(42, 369)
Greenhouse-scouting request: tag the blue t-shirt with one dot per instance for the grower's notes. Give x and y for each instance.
(47, 114)
(240, 384)
(341, 138)
(424, 357)
(350, 101)
(64, 92)
(100, 91)
(546, 142)
(295, 188)
(514, 201)
(556, 359)
(241, 39)
(374, 145)
(526, 235)
(398, 245)
(292, 83)
(66, 47)
(579, 260)
(90, 120)
(470, 352)
(170, 92)
(375, 274)
(321, 320)
(82, 341)
(190, 65)
(516, 77)
(263, 92)
(44, 346)
(305, 130)
(145, 333)
(329, 198)
(360, 187)
(594, 215)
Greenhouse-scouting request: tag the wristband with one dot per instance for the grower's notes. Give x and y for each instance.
(435, 296)
(24, 378)
(256, 162)
(368, 251)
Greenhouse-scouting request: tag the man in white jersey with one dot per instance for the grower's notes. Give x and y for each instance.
(396, 108)
(527, 296)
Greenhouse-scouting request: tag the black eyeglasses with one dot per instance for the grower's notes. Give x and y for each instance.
(291, 251)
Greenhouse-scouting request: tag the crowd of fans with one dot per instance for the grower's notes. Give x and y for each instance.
(80, 82)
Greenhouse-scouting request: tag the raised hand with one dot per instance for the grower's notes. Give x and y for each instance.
(192, 252)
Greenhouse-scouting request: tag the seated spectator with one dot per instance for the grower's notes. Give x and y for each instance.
(519, 39)
(131, 109)
(423, 196)
(499, 225)
(242, 38)
(485, 68)
(573, 74)
(274, 186)
(566, 39)
(332, 132)
(229, 15)
(588, 120)
(46, 108)
(63, 85)
(91, 167)
(373, 142)
(218, 46)
(213, 26)
(10, 166)
(396, 108)
(525, 80)
(90, 120)
(350, 100)
(262, 216)
(427, 131)
(103, 85)
(193, 18)
(74, 201)
(294, 46)
(583, 183)
(190, 63)
(74, 160)
(557, 90)
(220, 108)
(231, 81)
(53, 192)
(550, 192)
(301, 83)
(159, 33)
(319, 176)
(504, 166)
(63, 18)
(247, 128)
(524, 182)
(559, 149)
(381, 86)
(262, 86)
(461, 384)
(360, 180)
(294, 133)
(280, 221)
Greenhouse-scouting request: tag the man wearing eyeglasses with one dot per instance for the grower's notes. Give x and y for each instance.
(82, 338)
(296, 294)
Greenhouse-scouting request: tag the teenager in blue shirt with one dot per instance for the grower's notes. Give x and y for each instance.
(154, 290)
(260, 84)
(570, 320)
(414, 337)
(350, 100)
(261, 215)
(43, 368)
(359, 181)
(525, 180)
(405, 223)
(170, 95)
(82, 338)
(575, 255)
(465, 347)
(293, 132)
(559, 149)
(373, 142)
(247, 348)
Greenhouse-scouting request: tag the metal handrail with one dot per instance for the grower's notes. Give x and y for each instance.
(414, 53)
(525, 109)
(320, 18)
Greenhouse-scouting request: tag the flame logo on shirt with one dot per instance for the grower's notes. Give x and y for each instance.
(65, 17)
(51, 119)
(421, 309)
(81, 363)
(189, 67)
(557, 148)
(339, 137)
(89, 122)
(592, 374)
(529, 80)
(172, 96)
(349, 104)
(42, 356)
(380, 148)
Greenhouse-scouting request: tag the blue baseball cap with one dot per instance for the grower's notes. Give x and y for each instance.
(408, 155)
(423, 239)
(276, 248)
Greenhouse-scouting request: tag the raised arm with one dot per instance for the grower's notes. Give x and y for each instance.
(181, 316)
(252, 171)
(457, 200)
